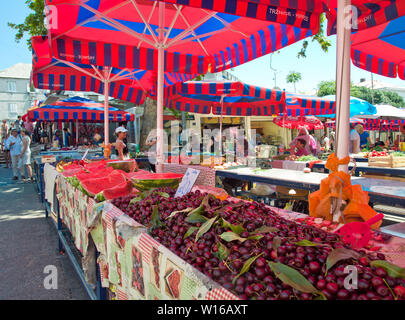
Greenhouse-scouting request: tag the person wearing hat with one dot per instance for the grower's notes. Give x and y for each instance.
(119, 145)
(14, 142)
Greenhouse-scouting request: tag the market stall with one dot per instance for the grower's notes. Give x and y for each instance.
(383, 191)
(138, 256)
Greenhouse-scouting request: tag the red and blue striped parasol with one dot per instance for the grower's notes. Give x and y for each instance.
(229, 98)
(381, 49)
(77, 109)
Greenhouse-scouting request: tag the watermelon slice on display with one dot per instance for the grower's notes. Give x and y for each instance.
(121, 190)
(93, 186)
(156, 180)
(72, 172)
(124, 165)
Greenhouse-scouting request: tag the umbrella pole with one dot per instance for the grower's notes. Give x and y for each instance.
(159, 116)
(343, 82)
(77, 132)
(220, 127)
(106, 113)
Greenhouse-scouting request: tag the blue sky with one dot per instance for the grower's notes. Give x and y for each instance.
(316, 67)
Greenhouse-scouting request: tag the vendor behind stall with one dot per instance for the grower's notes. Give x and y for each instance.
(310, 143)
(119, 145)
(300, 149)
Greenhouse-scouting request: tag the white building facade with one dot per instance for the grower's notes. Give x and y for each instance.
(16, 96)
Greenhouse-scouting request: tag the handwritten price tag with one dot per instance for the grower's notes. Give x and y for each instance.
(187, 182)
(85, 154)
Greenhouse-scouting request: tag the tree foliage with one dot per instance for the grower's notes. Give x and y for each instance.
(34, 23)
(320, 38)
(293, 77)
(373, 96)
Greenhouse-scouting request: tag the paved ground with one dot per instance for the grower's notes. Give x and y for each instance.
(28, 243)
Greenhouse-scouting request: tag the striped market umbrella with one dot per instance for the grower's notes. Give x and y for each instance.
(381, 49)
(307, 122)
(162, 37)
(224, 98)
(77, 109)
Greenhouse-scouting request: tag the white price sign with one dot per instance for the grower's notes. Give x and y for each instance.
(187, 182)
(85, 154)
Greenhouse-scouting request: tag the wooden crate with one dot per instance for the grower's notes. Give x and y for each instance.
(387, 162)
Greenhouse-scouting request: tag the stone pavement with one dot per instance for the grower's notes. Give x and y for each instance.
(29, 243)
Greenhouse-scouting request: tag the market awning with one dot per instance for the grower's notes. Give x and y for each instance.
(357, 107)
(132, 85)
(77, 109)
(381, 49)
(224, 97)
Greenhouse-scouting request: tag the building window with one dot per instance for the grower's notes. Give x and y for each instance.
(12, 86)
(12, 109)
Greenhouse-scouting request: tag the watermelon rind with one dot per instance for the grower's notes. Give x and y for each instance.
(124, 165)
(148, 184)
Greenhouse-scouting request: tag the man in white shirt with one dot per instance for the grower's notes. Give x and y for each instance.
(14, 142)
(354, 145)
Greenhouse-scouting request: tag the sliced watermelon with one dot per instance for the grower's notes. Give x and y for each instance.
(121, 190)
(72, 172)
(93, 186)
(125, 165)
(156, 180)
(100, 173)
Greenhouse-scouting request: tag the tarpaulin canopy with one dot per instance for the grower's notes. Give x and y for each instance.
(153, 35)
(372, 124)
(77, 109)
(131, 85)
(304, 13)
(125, 34)
(307, 122)
(224, 97)
(306, 105)
(386, 112)
(357, 107)
(381, 49)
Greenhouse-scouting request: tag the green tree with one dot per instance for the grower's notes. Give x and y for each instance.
(293, 77)
(373, 96)
(33, 24)
(319, 37)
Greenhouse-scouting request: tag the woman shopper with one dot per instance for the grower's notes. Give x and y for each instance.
(25, 155)
(14, 142)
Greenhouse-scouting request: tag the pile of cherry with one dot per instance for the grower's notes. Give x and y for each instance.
(256, 254)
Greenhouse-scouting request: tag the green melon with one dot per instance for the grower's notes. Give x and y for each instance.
(156, 180)
(124, 165)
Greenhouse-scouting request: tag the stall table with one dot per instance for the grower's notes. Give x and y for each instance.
(382, 191)
(366, 168)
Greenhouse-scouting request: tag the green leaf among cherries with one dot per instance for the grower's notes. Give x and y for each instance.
(307, 243)
(206, 226)
(179, 211)
(246, 266)
(155, 219)
(292, 277)
(231, 236)
(238, 229)
(392, 270)
(189, 232)
(339, 254)
(223, 252)
(265, 229)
